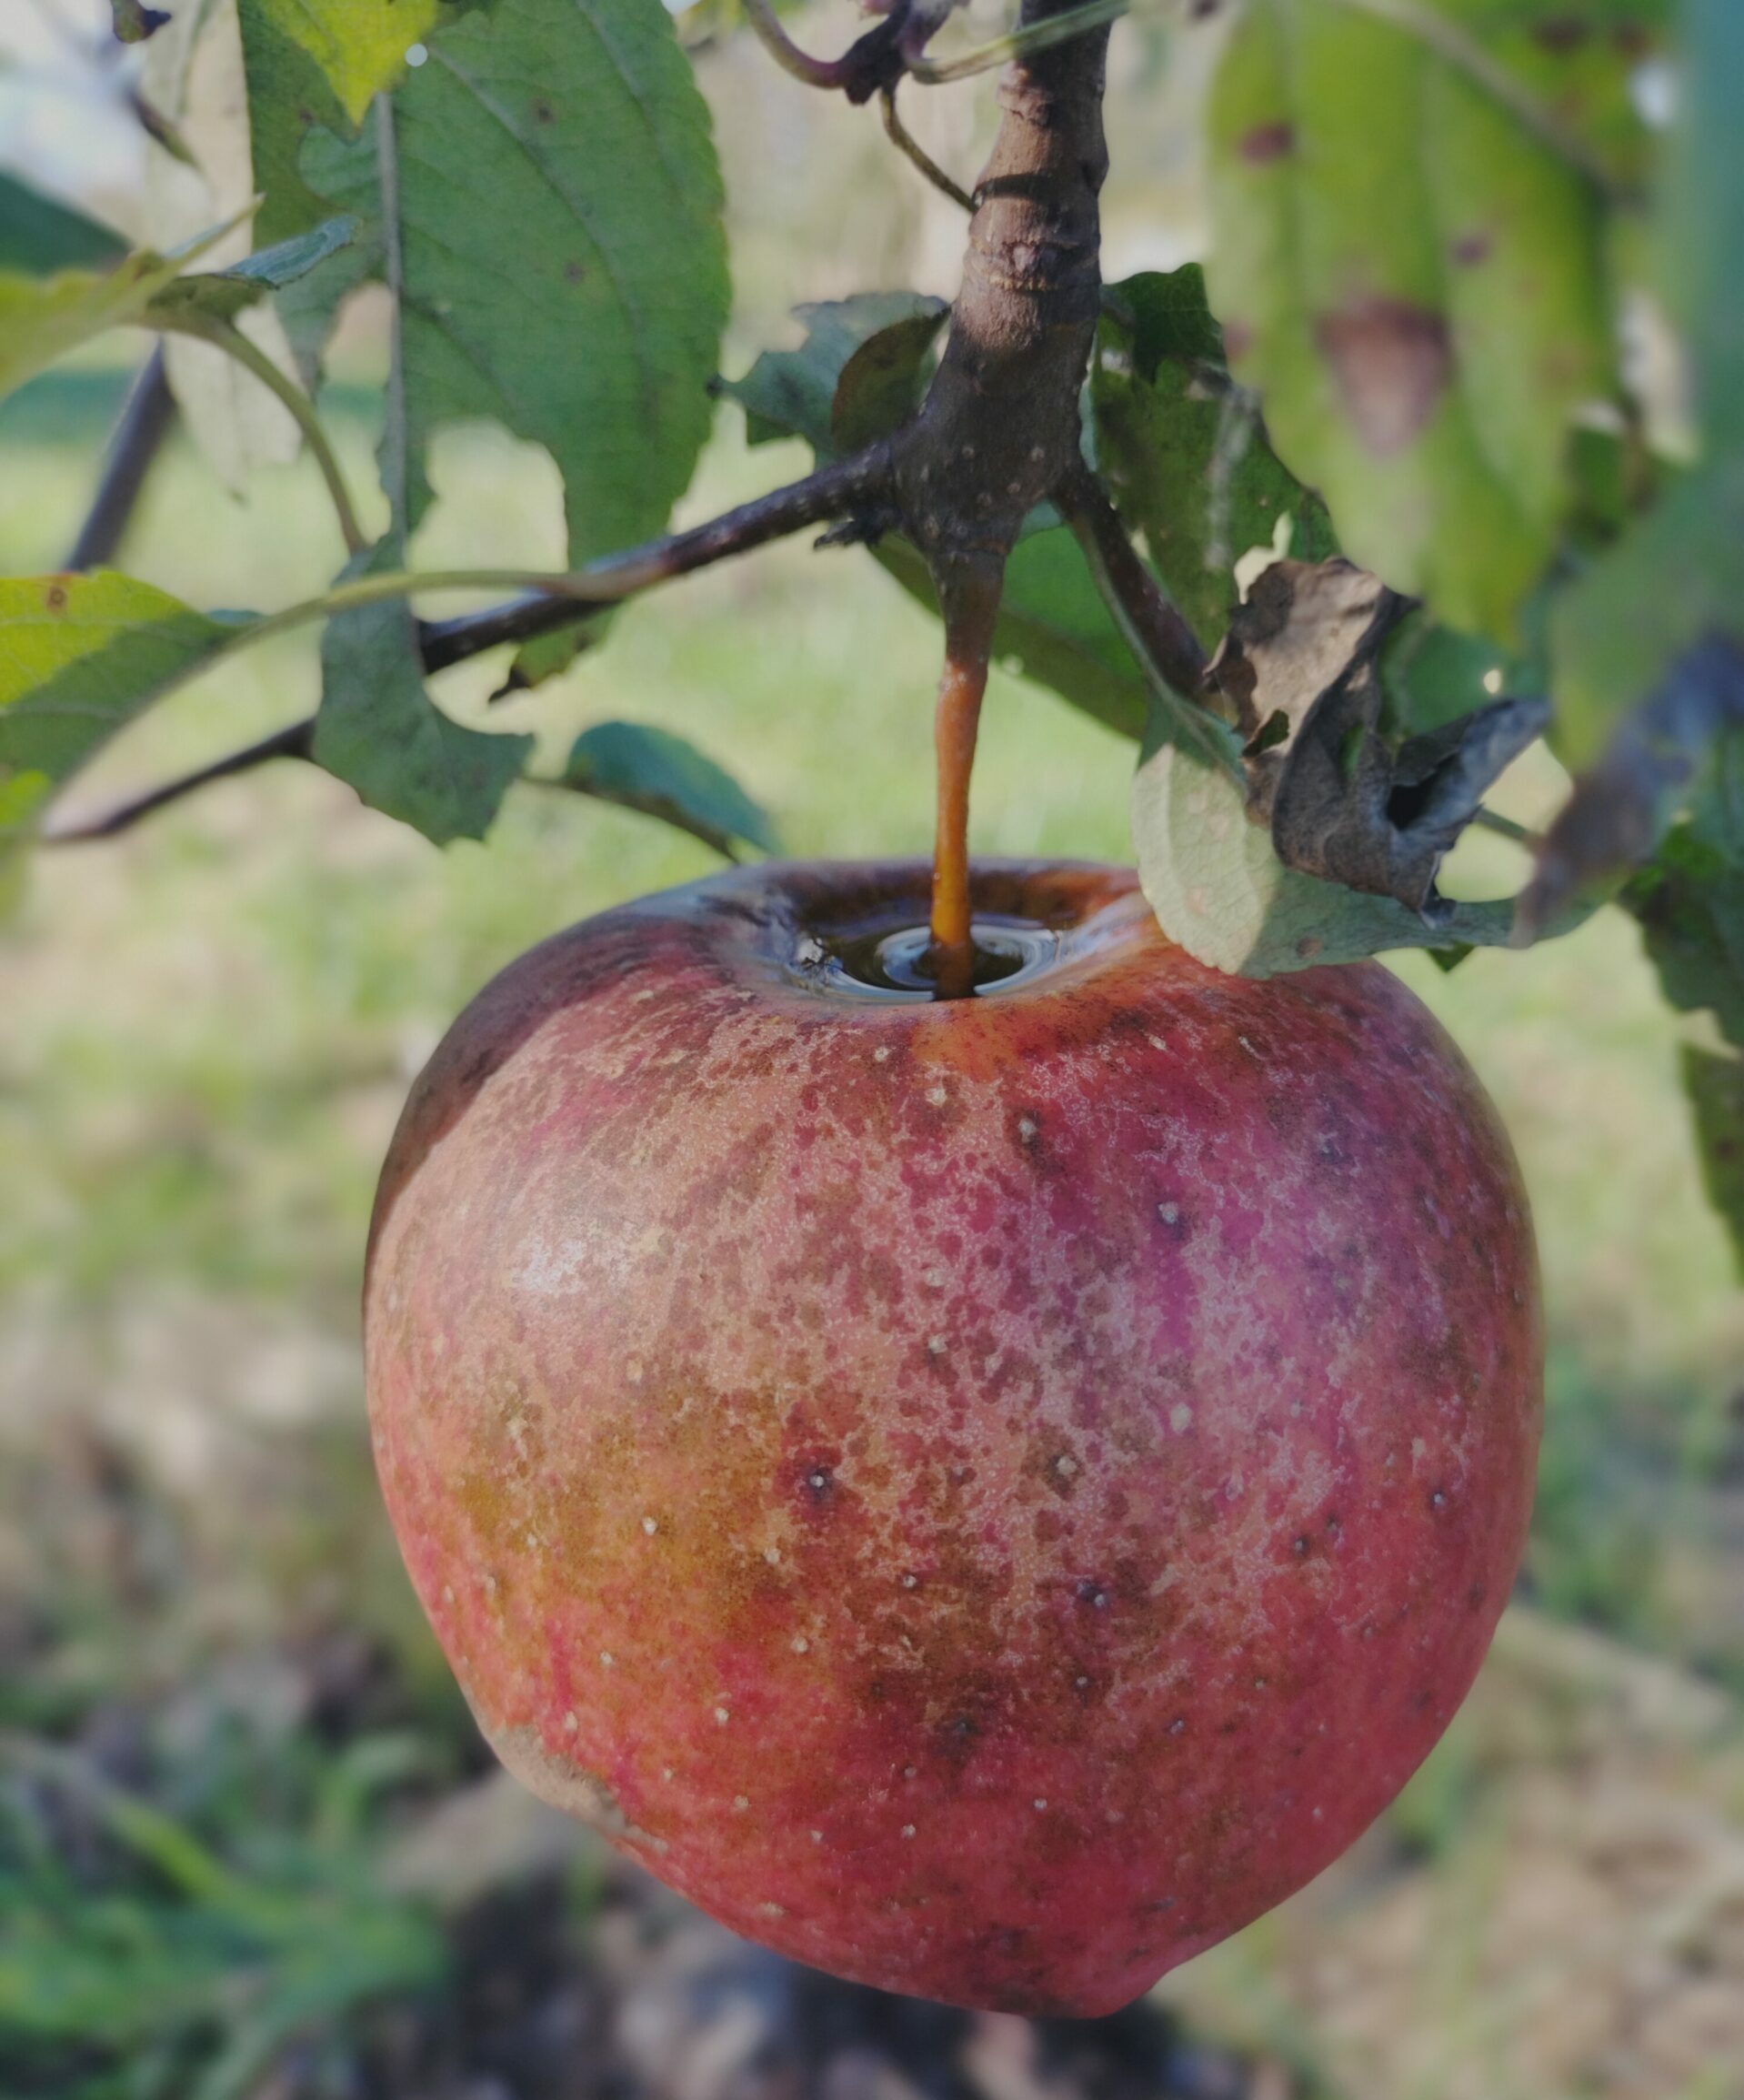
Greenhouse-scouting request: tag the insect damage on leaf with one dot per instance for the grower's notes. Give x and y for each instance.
(1301, 669)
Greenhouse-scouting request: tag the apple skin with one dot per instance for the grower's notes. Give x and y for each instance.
(984, 1497)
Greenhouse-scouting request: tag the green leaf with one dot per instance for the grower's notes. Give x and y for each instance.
(1220, 891)
(792, 392)
(288, 97)
(1433, 675)
(1714, 1083)
(378, 731)
(1690, 906)
(39, 235)
(358, 47)
(664, 776)
(42, 318)
(1679, 575)
(558, 248)
(134, 21)
(80, 656)
(1183, 450)
(1413, 279)
(885, 381)
(222, 295)
(1702, 231)
(1053, 625)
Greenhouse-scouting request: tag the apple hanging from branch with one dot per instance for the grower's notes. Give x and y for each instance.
(984, 1495)
(977, 1448)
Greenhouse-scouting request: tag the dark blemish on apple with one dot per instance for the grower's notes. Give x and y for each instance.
(1093, 1593)
(1178, 1725)
(1475, 1597)
(1267, 142)
(1299, 1546)
(1171, 1216)
(1438, 1499)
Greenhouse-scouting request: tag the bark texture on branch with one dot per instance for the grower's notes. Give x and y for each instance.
(999, 429)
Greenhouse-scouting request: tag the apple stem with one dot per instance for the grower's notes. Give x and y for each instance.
(970, 595)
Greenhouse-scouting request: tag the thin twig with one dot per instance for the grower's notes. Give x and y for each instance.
(843, 490)
(147, 416)
(835, 492)
(1169, 651)
(875, 60)
(905, 143)
(786, 54)
(1505, 828)
(294, 742)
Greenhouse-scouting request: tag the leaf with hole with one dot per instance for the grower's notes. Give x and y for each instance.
(1219, 890)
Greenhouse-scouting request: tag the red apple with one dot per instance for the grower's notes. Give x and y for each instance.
(986, 1497)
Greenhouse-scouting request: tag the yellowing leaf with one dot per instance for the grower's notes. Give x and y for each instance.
(79, 657)
(360, 46)
(42, 318)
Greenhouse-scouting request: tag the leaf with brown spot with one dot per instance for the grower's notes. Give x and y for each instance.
(1416, 288)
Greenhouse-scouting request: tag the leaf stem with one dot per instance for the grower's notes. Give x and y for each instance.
(229, 338)
(906, 143)
(1169, 652)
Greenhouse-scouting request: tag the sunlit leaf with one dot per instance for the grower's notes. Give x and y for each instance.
(42, 318)
(80, 656)
(1413, 279)
(358, 47)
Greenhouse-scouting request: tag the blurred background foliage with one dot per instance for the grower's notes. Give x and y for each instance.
(249, 1844)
